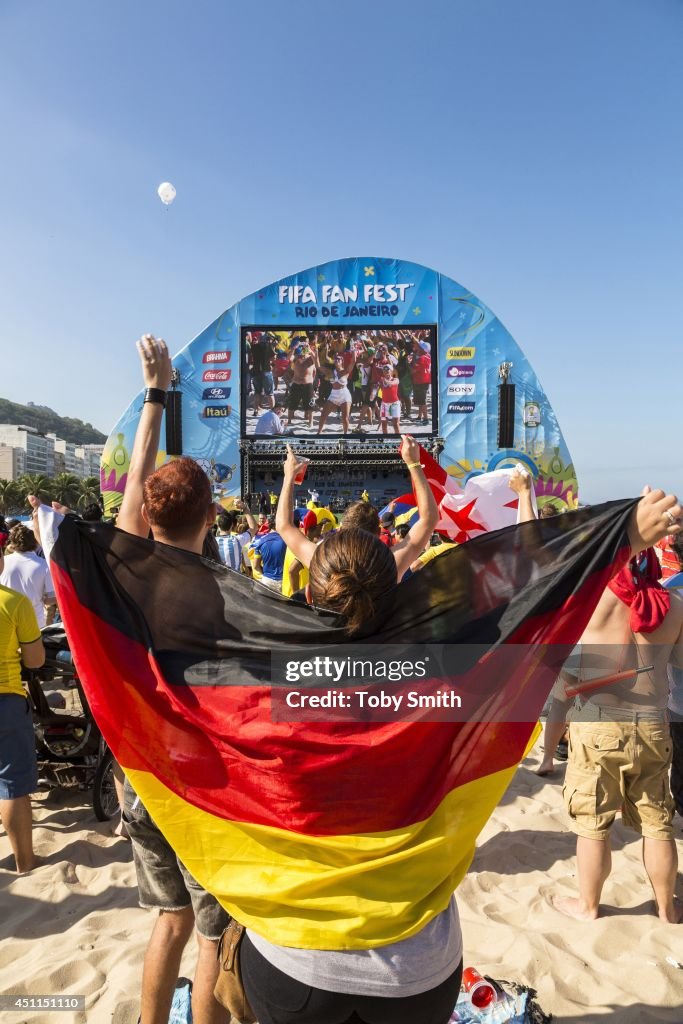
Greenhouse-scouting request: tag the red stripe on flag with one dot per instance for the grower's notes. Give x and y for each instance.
(218, 747)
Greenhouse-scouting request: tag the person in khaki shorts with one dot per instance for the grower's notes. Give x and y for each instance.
(620, 744)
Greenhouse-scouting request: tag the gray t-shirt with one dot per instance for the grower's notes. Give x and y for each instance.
(400, 969)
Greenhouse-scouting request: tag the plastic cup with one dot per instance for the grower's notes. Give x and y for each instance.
(480, 991)
(301, 472)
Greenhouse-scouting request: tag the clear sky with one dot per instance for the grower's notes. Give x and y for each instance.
(531, 150)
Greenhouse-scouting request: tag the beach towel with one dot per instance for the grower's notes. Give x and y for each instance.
(323, 833)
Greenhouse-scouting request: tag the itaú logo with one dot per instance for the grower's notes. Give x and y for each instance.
(216, 412)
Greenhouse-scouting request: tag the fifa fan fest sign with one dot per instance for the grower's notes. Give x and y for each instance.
(481, 405)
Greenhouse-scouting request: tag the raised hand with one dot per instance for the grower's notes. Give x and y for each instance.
(156, 362)
(410, 449)
(520, 481)
(292, 463)
(656, 515)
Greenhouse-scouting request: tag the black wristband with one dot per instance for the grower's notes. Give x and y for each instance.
(156, 395)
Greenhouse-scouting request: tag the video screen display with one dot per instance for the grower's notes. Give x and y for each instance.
(365, 382)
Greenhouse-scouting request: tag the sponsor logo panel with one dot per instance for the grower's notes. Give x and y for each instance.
(216, 412)
(460, 407)
(216, 357)
(457, 370)
(215, 394)
(458, 352)
(461, 388)
(216, 375)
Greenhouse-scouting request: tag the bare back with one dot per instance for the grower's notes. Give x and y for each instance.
(608, 646)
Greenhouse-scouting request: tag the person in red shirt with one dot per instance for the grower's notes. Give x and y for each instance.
(387, 529)
(391, 403)
(421, 370)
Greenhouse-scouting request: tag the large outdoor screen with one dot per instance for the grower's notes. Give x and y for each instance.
(366, 382)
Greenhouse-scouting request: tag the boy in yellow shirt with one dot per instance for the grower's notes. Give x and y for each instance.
(20, 641)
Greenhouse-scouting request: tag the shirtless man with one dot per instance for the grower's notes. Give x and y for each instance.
(620, 744)
(305, 366)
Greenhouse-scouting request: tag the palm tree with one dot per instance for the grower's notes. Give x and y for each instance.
(89, 491)
(66, 488)
(35, 483)
(10, 496)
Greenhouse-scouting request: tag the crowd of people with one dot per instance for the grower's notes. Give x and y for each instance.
(331, 382)
(621, 748)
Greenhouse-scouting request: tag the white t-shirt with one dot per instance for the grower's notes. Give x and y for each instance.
(269, 423)
(29, 574)
(231, 546)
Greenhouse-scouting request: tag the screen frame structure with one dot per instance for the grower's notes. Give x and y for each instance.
(356, 436)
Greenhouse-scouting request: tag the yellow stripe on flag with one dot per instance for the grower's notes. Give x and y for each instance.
(328, 892)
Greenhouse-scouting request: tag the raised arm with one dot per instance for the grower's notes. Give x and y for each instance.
(300, 546)
(242, 507)
(420, 534)
(156, 373)
(520, 482)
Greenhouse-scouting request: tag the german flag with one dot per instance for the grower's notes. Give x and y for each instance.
(323, 834)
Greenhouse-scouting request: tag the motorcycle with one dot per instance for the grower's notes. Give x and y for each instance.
(71, 750)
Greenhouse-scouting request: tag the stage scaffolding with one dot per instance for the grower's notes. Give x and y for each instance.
(258, 456)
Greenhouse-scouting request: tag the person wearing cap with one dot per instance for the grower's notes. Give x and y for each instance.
(387, 529)
(421, 370)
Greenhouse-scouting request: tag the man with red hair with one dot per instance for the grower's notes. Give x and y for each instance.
(175, 503)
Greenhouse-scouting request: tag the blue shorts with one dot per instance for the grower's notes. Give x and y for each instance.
(18, 765)
(263, 382)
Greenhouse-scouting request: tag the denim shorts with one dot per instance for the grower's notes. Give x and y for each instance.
(18, 765)
(263, 382)
(163, 882)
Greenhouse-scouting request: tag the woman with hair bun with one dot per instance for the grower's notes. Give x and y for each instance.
(351, 570)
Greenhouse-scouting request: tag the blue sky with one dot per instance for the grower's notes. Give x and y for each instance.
(533, 151)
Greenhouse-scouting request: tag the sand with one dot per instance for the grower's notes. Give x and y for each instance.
(73, 925)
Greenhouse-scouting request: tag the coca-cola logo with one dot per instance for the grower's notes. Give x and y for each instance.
(216, 376)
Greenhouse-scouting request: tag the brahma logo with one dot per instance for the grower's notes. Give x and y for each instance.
(216, 375)
(216, 412)
(460, 353)
(461, 407)
(461, 388)
(216, 357)
(454, 370)
(215, 393)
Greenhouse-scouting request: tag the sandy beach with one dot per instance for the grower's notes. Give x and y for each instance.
(73, 926)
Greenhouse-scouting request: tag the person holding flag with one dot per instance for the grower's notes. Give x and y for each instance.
(334, 842)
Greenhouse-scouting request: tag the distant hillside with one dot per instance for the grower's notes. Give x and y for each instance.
(47, 421)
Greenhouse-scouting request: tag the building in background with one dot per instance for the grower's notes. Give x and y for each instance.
(9, 462)
(35, 451)
(91, 454)
(66, 459)
(25, 450)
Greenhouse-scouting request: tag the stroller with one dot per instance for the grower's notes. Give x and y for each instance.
(71, 751)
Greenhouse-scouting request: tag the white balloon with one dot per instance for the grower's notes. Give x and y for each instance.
(166, 193)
